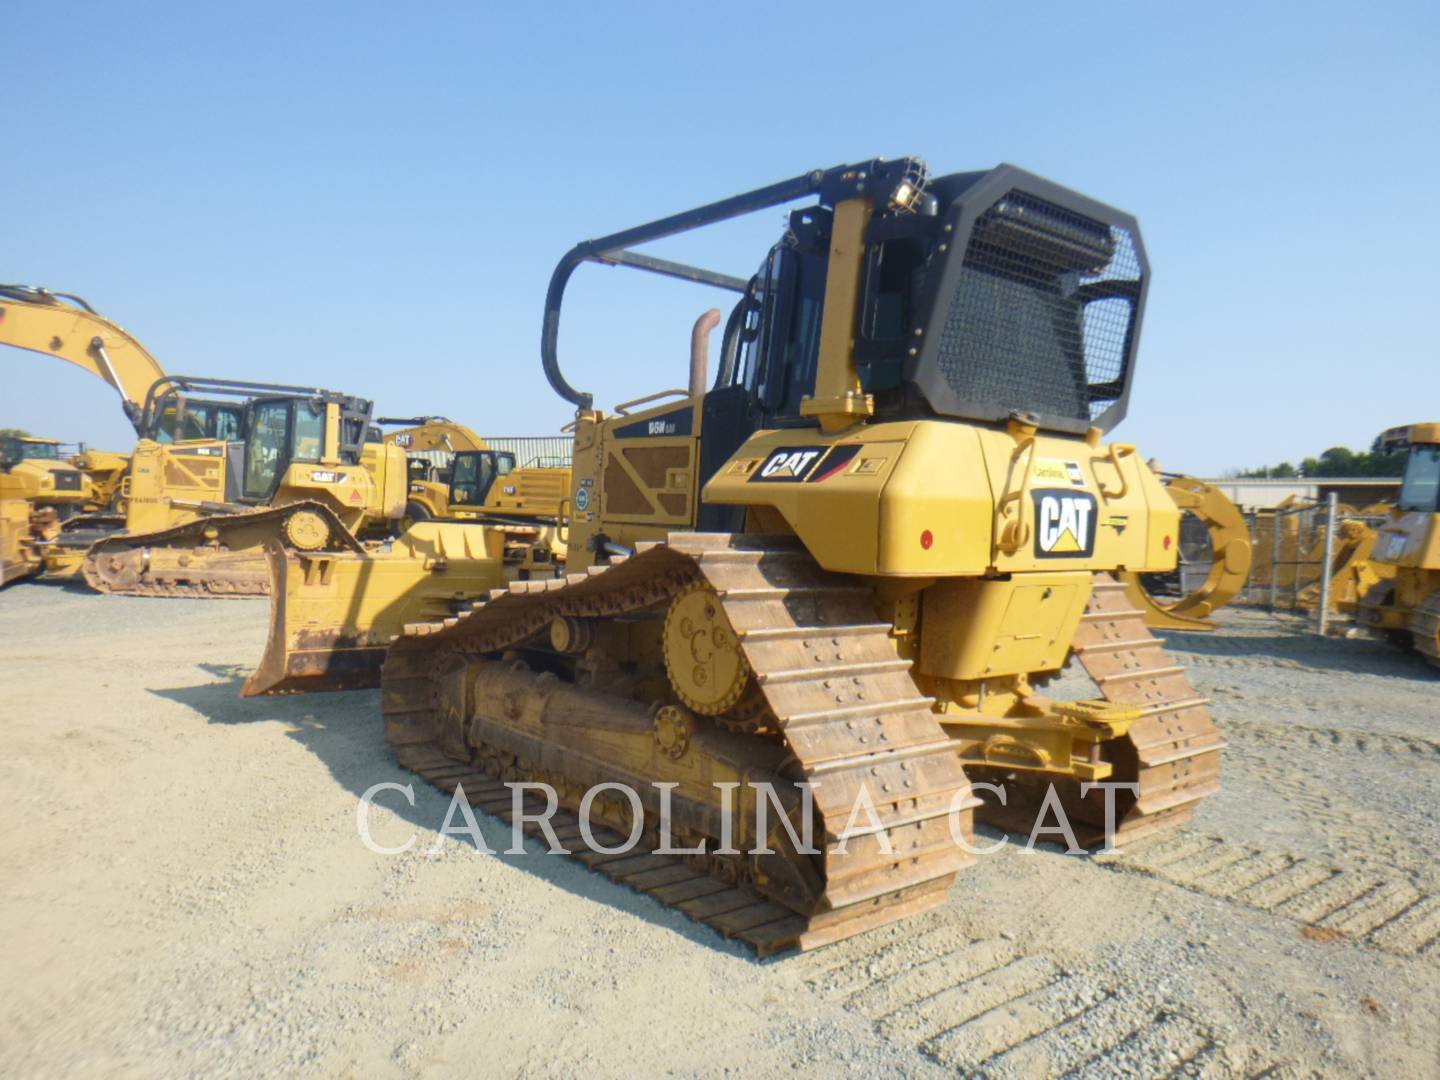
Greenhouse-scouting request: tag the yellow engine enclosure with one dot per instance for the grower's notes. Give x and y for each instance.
(930, 498)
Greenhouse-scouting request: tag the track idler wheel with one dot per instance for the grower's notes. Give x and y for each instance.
(707, 670)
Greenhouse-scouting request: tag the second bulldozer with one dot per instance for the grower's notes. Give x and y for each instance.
(1406, 604)
(188, 513)
(839, 571)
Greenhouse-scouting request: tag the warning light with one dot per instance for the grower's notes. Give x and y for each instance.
(926, 539)
(1167, 543)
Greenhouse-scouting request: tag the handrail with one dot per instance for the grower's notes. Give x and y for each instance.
(623, 409)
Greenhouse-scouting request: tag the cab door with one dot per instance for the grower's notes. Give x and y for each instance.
(267, 449)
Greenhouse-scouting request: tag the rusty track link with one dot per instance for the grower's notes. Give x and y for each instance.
(1173, 751)
(848, 712)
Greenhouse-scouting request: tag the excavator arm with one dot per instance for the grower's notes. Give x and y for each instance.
(65, 326)
(431, 433)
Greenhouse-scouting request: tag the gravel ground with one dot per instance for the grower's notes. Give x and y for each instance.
(184, 891)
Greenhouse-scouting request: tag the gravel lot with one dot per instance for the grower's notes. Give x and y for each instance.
(184, 891)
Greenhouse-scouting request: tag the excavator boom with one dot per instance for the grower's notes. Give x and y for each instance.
(65, 326)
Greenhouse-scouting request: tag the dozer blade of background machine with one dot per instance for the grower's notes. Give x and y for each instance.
(334, 614)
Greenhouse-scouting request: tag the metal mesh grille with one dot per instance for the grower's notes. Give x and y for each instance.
(1040, 321)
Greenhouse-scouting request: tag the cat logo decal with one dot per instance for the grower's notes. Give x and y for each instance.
(1064, 524)
(788, 465)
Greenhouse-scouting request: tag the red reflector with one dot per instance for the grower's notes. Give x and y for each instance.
(926, 539)
(1167, 543)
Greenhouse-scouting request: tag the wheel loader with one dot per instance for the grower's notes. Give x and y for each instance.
(839, 572)
(1406, 605)
(216, 458)
(1223, 542)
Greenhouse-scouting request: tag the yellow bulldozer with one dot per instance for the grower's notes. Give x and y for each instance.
(473, 522)
(198, 509)
(215, 459)
(1406, 604)
(817, 596)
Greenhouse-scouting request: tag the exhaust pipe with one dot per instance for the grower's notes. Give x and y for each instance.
(700, 351)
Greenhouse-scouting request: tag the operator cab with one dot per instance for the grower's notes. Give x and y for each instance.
(1038, 312)
(17, 448)
(1420, 490)
(474, 472)
(263, 431)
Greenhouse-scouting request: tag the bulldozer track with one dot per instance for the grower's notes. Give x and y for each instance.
(984, 1006)
(1425, 628)
(1173, 750)
(849, 714)
(1373, 908)
(121, 564)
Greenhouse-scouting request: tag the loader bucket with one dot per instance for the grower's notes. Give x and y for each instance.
(334, 614)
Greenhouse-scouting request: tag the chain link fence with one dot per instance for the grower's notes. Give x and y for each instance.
(1312, 558)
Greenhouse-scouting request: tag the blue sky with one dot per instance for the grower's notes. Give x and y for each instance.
(371, 197)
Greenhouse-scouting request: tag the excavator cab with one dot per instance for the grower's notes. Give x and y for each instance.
(474, 472)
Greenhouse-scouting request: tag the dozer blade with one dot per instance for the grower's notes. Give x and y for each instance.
(334, 614)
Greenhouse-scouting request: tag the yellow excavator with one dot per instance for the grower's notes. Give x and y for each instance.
(1406, 604)
(837, 573)
(216, 457)
(455, 474)
(1223, 540)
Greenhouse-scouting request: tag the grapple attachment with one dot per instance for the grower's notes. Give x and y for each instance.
(334, 614)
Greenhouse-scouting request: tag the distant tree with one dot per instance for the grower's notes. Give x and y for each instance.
(1338, 461)
(13, 433)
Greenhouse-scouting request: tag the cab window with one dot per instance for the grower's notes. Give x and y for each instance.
(309, 431)
(1421, 489)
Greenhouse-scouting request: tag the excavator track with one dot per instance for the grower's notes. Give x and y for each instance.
(832, 693)
(1173, 750)
(194, 565)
